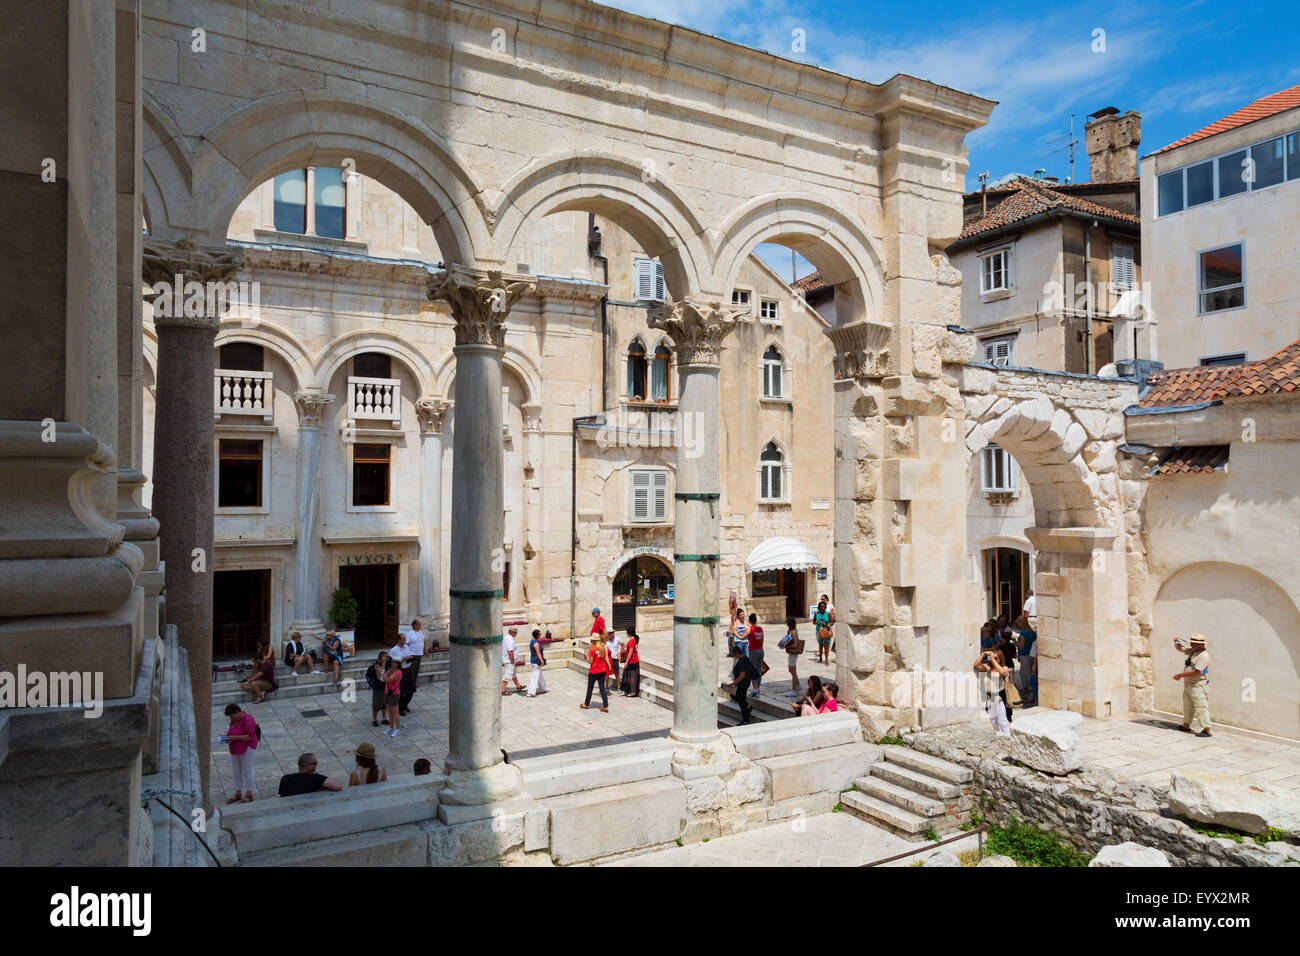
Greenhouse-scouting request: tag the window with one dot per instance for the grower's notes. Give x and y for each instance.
(997, 471)
(659, 374)
(995, 271)
(372, 365)
(291, 201)
(771, 464)
(740, 297)
(1233, 174)
(1237, 358)
(330, 203)
(1122, 272)
(649, 495)
(242, 356)
(370, 472)
(1170, 188)
(636, 371)
(1257, 166)
(1200, 184)
(772, 367)
(239, 473)
(1293, 156)
(1220, 280)
(769, 310)
(649, 277)
(998, 351)
(1267, 162)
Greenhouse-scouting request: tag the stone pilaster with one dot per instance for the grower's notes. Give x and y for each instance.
(480, 303)
(697, 327)
(431, 413)
(186, 281)
(307, 554)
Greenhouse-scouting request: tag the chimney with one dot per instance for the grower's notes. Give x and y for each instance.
(1112, 140)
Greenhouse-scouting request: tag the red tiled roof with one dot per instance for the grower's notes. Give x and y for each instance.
(1186, 386)
(1032, 198)
(1277, 373)
(1205, 459)
(1260, 109)
(810, 282)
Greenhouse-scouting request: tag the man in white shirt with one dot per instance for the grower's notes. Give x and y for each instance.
(508, 647)
(614, 644)
(414, 646)
(1031, 606)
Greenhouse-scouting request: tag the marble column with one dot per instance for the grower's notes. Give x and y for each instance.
(430, 412)
(180, 274)
(307, 551)
(480, 303)
(697, 328)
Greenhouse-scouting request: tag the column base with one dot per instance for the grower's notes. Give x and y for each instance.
(486, 785)
(704, 758)
(310, 631)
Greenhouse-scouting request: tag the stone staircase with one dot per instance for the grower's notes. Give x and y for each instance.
(657, 686)
(909, 792)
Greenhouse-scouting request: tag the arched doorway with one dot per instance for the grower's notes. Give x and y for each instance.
(644, 583)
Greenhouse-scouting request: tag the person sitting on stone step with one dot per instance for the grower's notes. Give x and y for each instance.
(296, 655)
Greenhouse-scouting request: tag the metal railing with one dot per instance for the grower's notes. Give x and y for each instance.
(978, 831)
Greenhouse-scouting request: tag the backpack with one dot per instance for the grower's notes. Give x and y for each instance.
(257, 729)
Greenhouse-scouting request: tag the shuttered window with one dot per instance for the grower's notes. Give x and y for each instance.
(649, 495)
(649, 278)
(1123, 274)
(998, 351)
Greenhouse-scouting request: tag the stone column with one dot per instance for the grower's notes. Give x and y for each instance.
(530, 570)
(697, 328)
(430, 412)
(307, 552)
(479, 302)
(182, 275)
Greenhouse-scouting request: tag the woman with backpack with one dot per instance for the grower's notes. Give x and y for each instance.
(743, 672)
(792, 644)
(378, 693)
(241, 737)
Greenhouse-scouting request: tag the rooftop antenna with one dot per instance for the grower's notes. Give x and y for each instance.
(1071, 144)
(984, 193)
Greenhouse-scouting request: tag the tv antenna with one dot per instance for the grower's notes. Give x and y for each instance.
(1070, 144)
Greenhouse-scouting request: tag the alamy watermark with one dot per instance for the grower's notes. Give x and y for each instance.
(84, 689)
(194, 299)
(633, 428)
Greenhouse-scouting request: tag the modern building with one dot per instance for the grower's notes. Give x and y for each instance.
(1221, 234)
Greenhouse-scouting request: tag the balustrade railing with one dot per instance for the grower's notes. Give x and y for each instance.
(237, 392)
(374, 399)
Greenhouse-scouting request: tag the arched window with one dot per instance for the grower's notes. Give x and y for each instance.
(659, 374)
(636, 371)
(773, 366)
(771, 478)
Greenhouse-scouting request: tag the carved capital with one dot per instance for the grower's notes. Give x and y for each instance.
(863, 350)
(430, 412)
(311, 407)
(697, 328)
(480, 301)
(532, 412)
(187, 282)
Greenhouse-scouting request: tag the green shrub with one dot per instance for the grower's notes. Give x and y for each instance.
(344, 611)
(892, 740)
(1030, 845)
(931, 834)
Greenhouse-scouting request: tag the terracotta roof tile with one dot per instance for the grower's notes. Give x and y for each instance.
(1277, 373)
(810, 282)
(1186, 386)
(1202, 460)
(1260, 109)
(1032, 198)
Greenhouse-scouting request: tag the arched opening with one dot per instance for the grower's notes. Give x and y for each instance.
(660, 382)
(642, 595)
(772, 482)
(773, 367)
(637, 369)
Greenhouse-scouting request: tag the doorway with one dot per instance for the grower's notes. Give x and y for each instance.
(782, 582)
(241, 610)
(375, 589)
(643, 582)
(1006, 581)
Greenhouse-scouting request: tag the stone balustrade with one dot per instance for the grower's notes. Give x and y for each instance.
(237, 392)
(375, 399)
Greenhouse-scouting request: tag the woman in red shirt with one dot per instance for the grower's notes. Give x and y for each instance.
(632, 673)
(599, 657)
(241, 738)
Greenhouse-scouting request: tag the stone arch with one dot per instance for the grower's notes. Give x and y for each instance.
(513, 358)
(279, 340)
(165, 164)
(648, 208)
(844, 254)
(304, 128)
(1253, 627)
(374, 340)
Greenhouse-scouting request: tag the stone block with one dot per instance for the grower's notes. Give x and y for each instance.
(998, 860)
(747, 786)
(388, 847)
(1129, 854)
(597, 823)
(706, 795)
(744, 818)
(537, 829)
(1047, 740)
(697, 830)
(554, 774)
(828, 769)
(796, 809)
(1232, 800)
(777, 737)
(478, 841)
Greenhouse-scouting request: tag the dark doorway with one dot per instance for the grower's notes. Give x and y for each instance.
(241, 611)
(782, 582)
(642, 582)
(1006, 581)
(375, 589)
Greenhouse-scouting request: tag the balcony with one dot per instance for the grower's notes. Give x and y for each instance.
(375, 399)
(236, 392)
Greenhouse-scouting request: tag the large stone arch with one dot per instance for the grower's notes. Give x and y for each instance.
(276, 339)
(301, 128)
(165, 166)
(512, 357)
(844, 253)
(646, 206)
(353, 343)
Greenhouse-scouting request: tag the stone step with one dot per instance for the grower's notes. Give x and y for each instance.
(894, 819)
(927, 786)
(930, 766)
(318, 685)
(900, 797)
(728, 710)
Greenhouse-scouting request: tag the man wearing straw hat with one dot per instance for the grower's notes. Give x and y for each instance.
(1195, 676)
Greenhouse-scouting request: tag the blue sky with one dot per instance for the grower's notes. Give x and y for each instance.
(1182, 65)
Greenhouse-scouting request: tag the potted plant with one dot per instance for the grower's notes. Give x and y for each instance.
(344, 613)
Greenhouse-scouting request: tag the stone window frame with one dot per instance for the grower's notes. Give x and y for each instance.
(749, 303)
(352, 202)
(1229, 358)
(993, 340)
(1011, 488)
(763, 303)
(390, 508)
(787, 373)
(655, 277)
(787, 474)
(1201, 292)
(237, 433)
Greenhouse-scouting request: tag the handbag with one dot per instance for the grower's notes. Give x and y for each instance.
(795, 647)
(1013, 694)
(765, 668)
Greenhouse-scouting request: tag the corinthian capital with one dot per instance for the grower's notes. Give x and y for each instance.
(430, 412)
(311, 407)
(697, 328)
(188, 282)
(480, 302)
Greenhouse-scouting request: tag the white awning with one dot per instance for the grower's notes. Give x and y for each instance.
(784, 553)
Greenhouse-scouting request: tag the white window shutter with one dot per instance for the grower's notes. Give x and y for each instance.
(1123, 270)
(641, 495)
(645, 280)
(660, 511)
(660, 292)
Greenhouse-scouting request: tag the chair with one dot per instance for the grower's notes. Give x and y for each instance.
(251, 634)
(229, 638)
